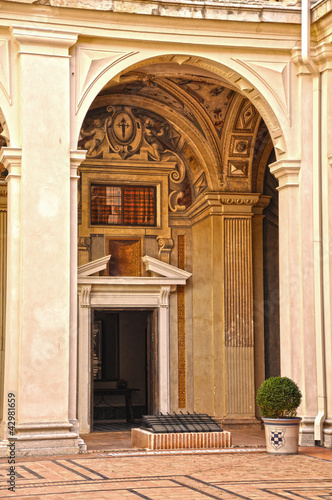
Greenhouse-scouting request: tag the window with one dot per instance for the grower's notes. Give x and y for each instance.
(123, 205)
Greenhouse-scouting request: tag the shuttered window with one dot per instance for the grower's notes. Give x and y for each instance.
(123, 205)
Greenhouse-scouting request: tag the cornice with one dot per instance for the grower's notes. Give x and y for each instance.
(321, 55)
(217, 203)
(320, 9)
(11, 158)
(43, 41)
(77, 156)
(287, 172)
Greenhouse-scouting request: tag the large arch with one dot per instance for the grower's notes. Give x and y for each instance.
(218, 227)
(270, 105)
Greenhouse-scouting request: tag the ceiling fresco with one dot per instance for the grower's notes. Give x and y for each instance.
(212, 97)
(198, 117)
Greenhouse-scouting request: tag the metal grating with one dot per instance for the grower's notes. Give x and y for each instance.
(180, 422)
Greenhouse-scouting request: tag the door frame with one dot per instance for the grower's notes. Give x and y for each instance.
(146, 292)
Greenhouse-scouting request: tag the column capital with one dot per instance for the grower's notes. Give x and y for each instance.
(43, 41)
(263, 202)
(238, 203)
(85, 295)
(287, 172)
(164, 296)
(11, 158)
(77, 156)
(323, 56)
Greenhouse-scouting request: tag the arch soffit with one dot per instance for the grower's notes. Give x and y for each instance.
(180, 123)
(266, 104)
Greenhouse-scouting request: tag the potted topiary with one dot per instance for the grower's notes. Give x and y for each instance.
(278, 399)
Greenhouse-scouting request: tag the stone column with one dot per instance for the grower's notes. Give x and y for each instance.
(324, 58)
(39, 323)
(237, 213)
(287, 173)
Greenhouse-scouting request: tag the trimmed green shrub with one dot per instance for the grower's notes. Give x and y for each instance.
(278, 397)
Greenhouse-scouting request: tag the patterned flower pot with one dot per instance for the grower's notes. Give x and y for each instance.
(282, 435)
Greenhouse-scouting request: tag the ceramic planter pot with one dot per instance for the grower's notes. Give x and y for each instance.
(282, 435)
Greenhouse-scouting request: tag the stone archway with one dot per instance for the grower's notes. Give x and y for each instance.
(201, 145)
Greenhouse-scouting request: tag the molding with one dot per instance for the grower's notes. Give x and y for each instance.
(43, 41)
(204, 206)
(165, 270)
(77, 156)
(238, 204)
(85, 295)
(164, 296)
(93, 267)
(263, 202)
(11, 158)
(287, 172)
(323, 56)
(5, 68)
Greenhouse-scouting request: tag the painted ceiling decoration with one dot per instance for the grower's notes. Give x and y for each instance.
(199, 122)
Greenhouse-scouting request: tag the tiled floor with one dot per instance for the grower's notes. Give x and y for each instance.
(245, 472)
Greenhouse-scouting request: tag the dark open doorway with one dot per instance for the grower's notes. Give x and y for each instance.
(123, 367)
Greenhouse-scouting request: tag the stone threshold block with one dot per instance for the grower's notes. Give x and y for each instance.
(141, 438)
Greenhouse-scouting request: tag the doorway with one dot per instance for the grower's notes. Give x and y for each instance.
(124, 367)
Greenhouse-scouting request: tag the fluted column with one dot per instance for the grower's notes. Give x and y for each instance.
(238, 306)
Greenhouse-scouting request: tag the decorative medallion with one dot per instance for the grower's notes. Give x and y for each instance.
(123, 131)
(123, 128)
(240, 146)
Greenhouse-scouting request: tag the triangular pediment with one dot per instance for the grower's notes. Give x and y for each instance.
(93, 267)
(163, 269)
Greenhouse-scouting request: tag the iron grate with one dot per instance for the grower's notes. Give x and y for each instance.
(180, 422)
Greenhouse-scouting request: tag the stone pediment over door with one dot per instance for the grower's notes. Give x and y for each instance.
(121, 292)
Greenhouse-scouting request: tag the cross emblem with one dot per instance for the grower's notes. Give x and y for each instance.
(123, 125)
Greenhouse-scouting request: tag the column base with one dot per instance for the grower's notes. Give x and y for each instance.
(307, 432)
(76, 428)
(41, 439)
(327, 433)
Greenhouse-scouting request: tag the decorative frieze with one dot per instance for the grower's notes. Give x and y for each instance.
(181, 327)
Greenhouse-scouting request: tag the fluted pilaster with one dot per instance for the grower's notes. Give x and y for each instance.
(238, 305)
